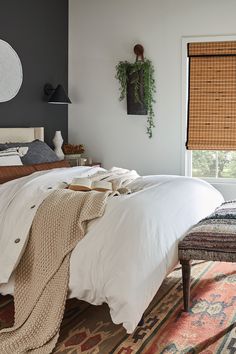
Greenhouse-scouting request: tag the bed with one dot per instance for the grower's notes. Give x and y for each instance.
(127, 253)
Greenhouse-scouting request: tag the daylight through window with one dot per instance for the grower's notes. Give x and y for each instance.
(211, 129)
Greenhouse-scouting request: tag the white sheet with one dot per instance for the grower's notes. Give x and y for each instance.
(127, 253)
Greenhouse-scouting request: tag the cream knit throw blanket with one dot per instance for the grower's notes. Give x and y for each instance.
(42, 276)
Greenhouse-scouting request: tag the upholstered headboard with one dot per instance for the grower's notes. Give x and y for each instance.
(21, 135)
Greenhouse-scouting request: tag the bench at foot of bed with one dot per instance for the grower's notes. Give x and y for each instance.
(212, 239)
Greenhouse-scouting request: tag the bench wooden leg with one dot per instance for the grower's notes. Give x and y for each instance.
(186, 274)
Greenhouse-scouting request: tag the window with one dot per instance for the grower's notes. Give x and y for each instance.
(214, 164)
(211, 127)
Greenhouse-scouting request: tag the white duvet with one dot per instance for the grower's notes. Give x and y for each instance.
(127, 253)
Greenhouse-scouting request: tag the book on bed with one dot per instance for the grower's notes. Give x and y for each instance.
(85, 184)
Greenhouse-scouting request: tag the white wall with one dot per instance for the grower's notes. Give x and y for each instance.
(103, 32)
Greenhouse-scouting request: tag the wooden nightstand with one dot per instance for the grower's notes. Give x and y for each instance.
(73, 159)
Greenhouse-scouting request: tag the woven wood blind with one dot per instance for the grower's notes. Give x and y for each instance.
(212, 96)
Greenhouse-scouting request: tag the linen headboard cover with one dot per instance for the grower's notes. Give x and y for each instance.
(21, 135)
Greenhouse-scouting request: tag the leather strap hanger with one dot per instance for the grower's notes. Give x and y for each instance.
(139, 50)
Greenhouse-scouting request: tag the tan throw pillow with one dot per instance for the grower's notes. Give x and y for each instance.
(8, 173)
(51, 165)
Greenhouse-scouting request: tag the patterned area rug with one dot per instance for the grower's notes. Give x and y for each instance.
(209, 328)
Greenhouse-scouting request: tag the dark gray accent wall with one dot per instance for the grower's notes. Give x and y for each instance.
(38, 31)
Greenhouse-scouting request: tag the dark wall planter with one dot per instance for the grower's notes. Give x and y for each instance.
(137, 84)
(133, 106)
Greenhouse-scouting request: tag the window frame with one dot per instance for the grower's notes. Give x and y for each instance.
(186, 161)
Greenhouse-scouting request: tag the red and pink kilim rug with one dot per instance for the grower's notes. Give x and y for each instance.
(209, 328)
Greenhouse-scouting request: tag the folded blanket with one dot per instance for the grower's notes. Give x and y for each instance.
(41, 279)
(119, 177)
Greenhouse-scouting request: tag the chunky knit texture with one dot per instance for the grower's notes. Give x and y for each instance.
(42, 276)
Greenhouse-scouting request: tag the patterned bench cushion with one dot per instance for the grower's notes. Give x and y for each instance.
(213, 238)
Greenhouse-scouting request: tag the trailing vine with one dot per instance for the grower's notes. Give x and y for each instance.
(125, 70)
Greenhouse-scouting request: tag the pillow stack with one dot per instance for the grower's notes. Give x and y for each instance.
(38, 152)
(22, 159)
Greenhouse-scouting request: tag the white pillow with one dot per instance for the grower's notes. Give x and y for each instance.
(12, 156)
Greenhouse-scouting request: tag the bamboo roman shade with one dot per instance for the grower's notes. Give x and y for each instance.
(212, 96)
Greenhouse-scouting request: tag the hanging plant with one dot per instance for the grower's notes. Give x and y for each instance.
(141, 75)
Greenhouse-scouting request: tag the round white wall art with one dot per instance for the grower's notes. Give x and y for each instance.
(11, 73)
